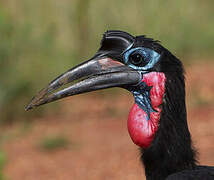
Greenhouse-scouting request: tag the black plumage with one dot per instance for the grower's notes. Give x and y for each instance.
(171, 155)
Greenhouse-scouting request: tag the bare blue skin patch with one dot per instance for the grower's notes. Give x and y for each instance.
(142, 96)
(150, 56)
(143, 99)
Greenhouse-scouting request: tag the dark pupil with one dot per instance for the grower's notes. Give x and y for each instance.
(137, 59)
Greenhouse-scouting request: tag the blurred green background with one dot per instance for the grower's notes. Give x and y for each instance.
(41, 39)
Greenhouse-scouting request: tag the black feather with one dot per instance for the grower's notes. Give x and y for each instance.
(114, 43)
(199, 173)
(171, 154)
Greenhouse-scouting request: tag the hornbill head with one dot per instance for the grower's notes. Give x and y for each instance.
(138, 64)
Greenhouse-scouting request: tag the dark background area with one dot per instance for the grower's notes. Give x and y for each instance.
(85, 137)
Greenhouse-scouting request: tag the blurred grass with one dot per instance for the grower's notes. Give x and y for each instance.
(3, 161)
(51, 143)
(41, 39)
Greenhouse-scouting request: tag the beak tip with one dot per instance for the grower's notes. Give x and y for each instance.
(28, 107)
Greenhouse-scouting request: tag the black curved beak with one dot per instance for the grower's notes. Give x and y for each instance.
(96, 73)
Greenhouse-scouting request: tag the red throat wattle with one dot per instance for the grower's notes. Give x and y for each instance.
(142, 130)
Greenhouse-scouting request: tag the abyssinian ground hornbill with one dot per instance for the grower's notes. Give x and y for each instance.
(157, 121)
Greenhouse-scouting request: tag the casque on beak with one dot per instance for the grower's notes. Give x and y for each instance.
(104, 70)
(96, 73)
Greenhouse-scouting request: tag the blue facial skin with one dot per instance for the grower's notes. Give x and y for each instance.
(143, 99)
(141, 92)
(149, 55)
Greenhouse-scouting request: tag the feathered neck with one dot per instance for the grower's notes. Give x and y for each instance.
(171, 150)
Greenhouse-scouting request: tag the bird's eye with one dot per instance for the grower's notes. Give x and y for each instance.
(137, 59)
